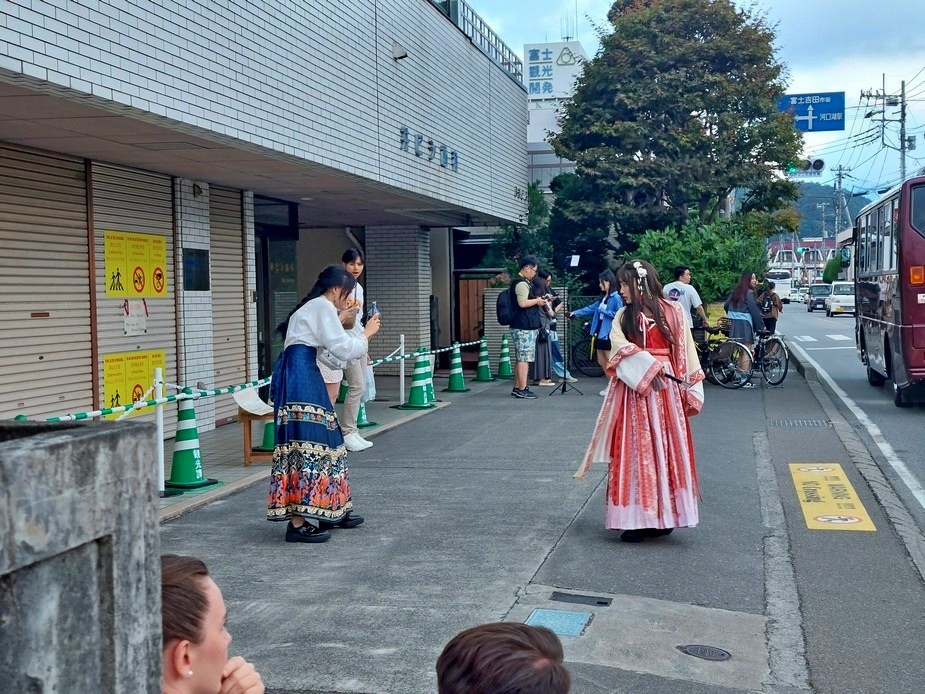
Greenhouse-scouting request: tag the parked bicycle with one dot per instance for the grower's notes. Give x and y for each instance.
(582, 356)
(733, 364)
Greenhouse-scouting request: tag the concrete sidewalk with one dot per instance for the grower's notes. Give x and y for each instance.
(473, 516)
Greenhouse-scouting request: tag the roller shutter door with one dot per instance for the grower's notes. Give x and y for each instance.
(139, 202)
(44, 286)
(229, 352)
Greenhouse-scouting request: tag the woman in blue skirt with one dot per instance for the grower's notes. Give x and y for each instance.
(309, 486)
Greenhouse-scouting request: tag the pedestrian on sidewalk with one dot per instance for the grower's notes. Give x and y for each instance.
(742, 309)
(525, 324)
(558, 363)
(542, 364)
(309, 486)
(643, 430)
(603, 312)
(771, 306)
(355, 263)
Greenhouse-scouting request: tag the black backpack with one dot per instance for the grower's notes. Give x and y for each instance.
(767, 303)
(506, 306)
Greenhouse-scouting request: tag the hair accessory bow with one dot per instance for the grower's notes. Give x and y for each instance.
(641, 272)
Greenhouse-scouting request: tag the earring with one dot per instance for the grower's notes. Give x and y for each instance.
(189, 673)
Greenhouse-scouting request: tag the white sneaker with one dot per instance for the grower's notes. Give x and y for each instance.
(603, 392)
(355, 443)
(369, 444)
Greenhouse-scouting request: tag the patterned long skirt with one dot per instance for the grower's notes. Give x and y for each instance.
(309, 476)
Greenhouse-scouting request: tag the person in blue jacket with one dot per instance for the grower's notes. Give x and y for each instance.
(603, 312)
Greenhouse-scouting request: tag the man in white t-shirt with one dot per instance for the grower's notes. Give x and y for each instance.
(681, 291)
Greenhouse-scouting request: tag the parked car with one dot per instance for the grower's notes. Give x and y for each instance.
(816, 296)
(841, 299)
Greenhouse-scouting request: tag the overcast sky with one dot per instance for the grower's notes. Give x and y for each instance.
(827, 46)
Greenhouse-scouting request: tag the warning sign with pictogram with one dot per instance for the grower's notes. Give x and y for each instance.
(135, 265)
(828, 499)
(127, 377)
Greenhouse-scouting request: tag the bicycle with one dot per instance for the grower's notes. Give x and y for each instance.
(736, 364)
(582, 357)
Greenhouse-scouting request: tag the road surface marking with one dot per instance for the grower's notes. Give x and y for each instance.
(840, 337)
(821, 349)
(805, 338)
(827, 498)
(893, 460)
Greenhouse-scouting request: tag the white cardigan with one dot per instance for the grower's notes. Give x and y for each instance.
(316, 324)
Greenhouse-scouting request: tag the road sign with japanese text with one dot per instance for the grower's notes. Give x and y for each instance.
(814, 113)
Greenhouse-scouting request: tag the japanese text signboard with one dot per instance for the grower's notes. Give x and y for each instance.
(551, 69)
(815, 112)
(136, 265)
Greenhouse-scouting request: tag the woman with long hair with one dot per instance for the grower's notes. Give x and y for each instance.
(642, 431)
(195, 640)
(743, 310)
(355, 263)
(309, 486)
(603, 313)
(542, 364)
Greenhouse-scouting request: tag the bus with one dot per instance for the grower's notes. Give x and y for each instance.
(889, 276)
(783, 283)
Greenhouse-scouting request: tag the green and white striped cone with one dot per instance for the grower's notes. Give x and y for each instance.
(186, 469)
(457, 382)
(483, 374)
(429, 387)
(362, 421)
(417, 398)
(342, 393)
(269, 437)
(504, 363)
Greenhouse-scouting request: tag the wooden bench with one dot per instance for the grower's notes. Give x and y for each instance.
(250, 408)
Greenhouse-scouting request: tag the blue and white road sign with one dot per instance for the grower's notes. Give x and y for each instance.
(814, 113)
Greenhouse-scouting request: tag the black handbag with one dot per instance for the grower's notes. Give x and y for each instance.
(543, 335)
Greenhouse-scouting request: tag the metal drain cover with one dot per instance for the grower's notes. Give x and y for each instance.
(580, 599)
(799, 423)
(705, 652)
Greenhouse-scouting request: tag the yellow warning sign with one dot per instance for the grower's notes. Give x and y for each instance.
(127, 376)
(135, 265)
(827, 498)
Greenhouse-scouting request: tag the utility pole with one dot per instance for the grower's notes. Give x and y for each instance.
(905, 143)
(840, 202)
(822, 206)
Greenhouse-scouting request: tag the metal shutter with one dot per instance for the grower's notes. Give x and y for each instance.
(229, 351)
(45, 362)
(141, 202)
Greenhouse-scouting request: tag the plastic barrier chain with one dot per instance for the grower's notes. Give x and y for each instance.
(413, 355)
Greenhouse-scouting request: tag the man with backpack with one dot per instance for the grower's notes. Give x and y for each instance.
(524, 319)
(770, 305)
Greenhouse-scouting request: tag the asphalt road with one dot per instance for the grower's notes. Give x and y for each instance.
(895, 435)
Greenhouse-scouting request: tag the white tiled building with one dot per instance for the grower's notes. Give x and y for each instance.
(243, 146)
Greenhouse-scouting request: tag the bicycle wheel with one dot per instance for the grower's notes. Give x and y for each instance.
(731, 364)
(775, 361)
(583, 361)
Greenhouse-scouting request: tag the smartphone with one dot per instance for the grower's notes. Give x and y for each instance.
(373, 310)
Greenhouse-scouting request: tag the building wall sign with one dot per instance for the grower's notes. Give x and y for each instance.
(552, 68)
(136, 265)
(425, 146)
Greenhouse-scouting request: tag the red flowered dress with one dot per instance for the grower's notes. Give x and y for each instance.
(643, 432)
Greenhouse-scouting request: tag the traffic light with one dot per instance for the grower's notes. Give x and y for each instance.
(800, 249)
(798, 166)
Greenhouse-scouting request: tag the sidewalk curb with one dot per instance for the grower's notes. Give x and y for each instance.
(868, 465)
(196, 502)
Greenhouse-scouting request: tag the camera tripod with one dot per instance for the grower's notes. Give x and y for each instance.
(564, 386)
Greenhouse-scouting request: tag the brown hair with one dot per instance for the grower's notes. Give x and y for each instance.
(645, 294)
(183, 598)
(503, 658)
(740, 292)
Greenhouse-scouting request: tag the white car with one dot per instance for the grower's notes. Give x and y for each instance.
(841, 299)
(798, 296)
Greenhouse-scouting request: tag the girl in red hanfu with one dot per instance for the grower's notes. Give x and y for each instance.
(642, 430)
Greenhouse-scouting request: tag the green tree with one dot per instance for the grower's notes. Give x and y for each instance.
(676, 110)
(717, 253)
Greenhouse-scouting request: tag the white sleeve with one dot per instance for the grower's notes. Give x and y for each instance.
(695, 298)
(343, 344)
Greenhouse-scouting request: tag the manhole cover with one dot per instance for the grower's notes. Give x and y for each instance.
(705, 652)
(561, 622)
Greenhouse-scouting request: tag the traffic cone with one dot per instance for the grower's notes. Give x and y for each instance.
(342, 393)
(417, 398)
(362, 421)
(186, 469)
(269, 437)
(483, 374)
(504, 363)
(457, 382)
(429, 387)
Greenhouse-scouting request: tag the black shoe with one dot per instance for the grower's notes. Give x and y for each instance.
(658, 532)
(349, 521)
(306, 533)
(633, 535)
(517, 393)
(528, 394)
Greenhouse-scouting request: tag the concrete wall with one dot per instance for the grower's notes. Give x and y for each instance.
(79, 559)
(312, 79)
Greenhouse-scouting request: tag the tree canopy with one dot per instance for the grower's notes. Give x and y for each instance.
(676, 110)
